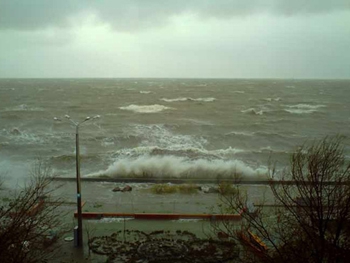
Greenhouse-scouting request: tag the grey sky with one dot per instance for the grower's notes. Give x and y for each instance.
(192, 38)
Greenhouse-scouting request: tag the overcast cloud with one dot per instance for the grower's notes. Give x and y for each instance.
(155, 38)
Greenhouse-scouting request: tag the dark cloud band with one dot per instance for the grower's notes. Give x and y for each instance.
(128, 15)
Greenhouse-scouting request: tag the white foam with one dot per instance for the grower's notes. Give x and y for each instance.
(145, 92)
(145, 108)
(172, 166)
(189, 99)
(238, 91)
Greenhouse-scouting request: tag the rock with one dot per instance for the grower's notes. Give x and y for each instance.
(212, 190)
(127, 188)
(15, 131)
(116, 189)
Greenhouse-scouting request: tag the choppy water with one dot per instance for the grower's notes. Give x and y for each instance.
(167, 127)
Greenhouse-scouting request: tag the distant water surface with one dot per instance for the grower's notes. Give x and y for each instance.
(167, 127)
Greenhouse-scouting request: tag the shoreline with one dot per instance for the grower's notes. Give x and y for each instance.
(164, 180)
(189, 181)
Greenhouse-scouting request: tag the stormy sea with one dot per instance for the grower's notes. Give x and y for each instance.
(193, 128)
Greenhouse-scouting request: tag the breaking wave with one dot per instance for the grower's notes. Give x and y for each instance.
(145, 92)
(178, 150)
(178, 167)
(145, 108)
(189, 99)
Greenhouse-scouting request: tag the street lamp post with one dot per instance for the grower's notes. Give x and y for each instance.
(77, 161)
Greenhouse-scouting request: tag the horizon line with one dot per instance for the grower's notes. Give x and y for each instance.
(209, 78)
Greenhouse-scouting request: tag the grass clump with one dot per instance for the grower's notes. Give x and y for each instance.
(163, 189)
(171, 189)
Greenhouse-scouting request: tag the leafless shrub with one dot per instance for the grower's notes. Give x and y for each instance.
(29, 220)
(308, 221)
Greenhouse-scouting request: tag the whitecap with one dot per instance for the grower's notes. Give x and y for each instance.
(145, 108)
(145, 92)
(174, 100)
(303, 108)
(24, 107)
(272, 99)
(306, 106)
(181, 99)
(253, 111)
(240, 133)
